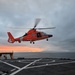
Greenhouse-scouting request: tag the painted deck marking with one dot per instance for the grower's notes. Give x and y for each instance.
(10, 64)
(51, 64)
(24, 67)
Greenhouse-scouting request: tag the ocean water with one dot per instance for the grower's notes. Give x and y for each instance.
(45, 55)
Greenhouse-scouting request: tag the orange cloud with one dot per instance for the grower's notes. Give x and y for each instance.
(19, 49)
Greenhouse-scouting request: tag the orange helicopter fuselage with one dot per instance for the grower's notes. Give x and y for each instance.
(33, 35)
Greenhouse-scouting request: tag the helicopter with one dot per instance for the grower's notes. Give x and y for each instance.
(32, 35)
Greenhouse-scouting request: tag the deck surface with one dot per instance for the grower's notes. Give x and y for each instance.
(38, 66)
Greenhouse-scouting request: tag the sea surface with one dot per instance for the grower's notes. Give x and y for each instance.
(45, 55)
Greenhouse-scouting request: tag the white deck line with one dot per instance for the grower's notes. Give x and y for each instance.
(24, 67)
(10, 64)
(51, 64)
(13, 70)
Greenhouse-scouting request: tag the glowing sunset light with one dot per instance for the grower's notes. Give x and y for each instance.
(19, 49)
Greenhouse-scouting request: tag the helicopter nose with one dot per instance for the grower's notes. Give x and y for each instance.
(50, 35)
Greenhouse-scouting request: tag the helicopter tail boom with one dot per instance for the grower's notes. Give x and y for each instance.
(11, 38)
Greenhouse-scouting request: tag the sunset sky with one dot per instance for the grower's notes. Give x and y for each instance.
(22, 14)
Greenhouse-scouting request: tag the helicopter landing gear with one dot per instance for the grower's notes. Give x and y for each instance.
(46, 39)
(32, 42)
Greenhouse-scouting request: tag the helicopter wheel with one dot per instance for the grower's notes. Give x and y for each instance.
(47, 39)
(33, 42)
(30, 42)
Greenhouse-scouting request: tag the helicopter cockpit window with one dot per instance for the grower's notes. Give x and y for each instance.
(38, 35)
(25, 34)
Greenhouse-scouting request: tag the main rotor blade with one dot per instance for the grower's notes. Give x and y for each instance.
(36, 22)
(45, 28)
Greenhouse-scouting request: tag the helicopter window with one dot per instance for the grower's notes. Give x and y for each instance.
(25, 34)
(33, 34)
(38, 35)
